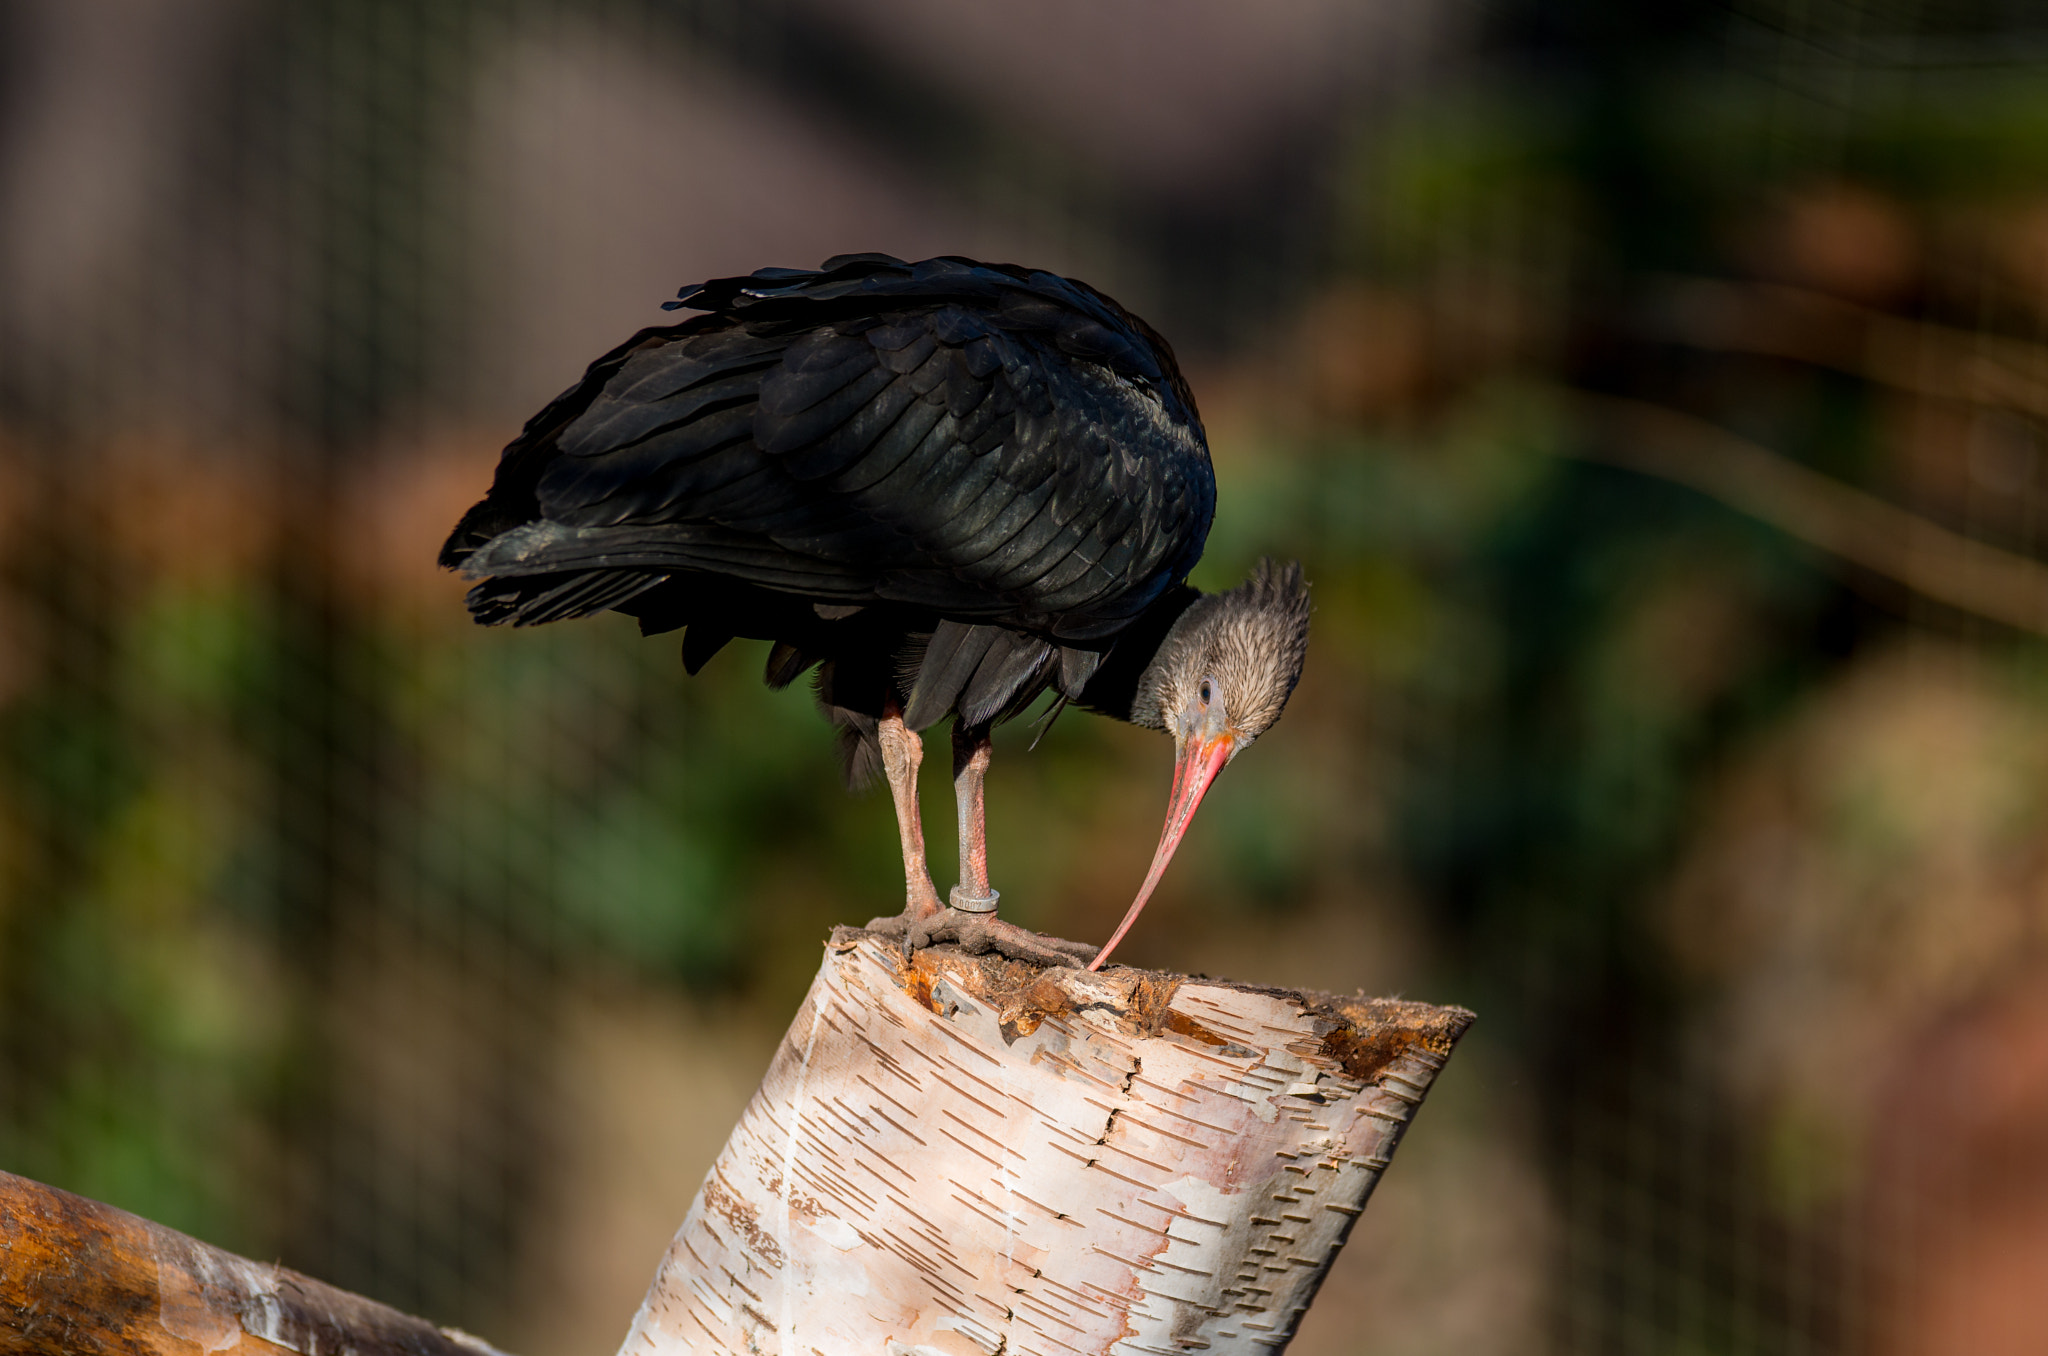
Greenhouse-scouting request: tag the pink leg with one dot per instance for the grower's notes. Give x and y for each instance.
(970, 768)
(902, 752)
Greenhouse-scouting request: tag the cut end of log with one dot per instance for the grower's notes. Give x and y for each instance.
(1362, 1036)
(963, 1155)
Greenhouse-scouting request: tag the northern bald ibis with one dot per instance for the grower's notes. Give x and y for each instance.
(946, 487)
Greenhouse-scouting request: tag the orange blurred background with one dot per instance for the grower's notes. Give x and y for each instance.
(1653, 393)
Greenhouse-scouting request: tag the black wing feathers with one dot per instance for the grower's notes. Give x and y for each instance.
(1006, 449)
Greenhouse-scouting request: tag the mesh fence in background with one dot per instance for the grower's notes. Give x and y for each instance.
(435, 961)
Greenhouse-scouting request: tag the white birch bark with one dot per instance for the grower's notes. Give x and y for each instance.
(966, 1156)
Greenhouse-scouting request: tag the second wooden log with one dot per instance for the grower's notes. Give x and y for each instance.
(80, 1278)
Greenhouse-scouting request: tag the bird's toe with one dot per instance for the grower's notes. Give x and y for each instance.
(980, 934)
(923, 932)
(914, 930)
(1080, 951)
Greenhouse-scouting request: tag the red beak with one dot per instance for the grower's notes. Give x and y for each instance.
(1197, 766)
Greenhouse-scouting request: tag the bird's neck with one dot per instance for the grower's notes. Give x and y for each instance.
(1113, 689)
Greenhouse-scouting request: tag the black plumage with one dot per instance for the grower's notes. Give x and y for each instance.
(1000, 468)
(945, 487)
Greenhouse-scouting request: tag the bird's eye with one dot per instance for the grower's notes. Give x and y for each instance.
(1205, 692)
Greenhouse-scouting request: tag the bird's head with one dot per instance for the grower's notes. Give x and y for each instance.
(1220, 679)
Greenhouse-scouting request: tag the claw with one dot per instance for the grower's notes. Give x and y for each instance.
(922, 932)
(977, 934)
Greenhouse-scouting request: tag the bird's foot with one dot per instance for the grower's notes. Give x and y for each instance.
(980, 933)
(921, 907)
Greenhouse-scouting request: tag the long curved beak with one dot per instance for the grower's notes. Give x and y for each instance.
(1199, 762)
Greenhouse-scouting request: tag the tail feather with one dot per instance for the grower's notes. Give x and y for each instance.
(786, 664)
(700, 642)
(534, 599)
(954, 653)
(860, 753)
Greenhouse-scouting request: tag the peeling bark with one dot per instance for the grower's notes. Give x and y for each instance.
(83, 1278)
(964, 1156)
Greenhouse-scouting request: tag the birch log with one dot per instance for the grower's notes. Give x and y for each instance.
(84, 1279)
(963, 1156)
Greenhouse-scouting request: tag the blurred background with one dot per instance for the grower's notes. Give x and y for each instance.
(1655, 394)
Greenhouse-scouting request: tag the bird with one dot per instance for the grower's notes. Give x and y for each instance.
(943, 489)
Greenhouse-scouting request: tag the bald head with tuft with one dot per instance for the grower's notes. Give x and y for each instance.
(1219, 680)
(1248, 644)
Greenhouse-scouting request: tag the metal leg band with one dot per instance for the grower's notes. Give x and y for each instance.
(967, 903)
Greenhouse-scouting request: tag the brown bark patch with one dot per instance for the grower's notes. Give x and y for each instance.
(1368, 1034)
(743, 1219)
(1183, 1025)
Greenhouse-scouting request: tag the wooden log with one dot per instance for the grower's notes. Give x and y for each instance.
(82, 1278)
(962, 1156)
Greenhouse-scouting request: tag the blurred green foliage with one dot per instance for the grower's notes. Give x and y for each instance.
(274, 842)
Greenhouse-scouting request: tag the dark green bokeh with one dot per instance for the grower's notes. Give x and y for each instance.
(228, 798)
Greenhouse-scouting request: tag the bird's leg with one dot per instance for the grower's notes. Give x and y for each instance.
(923, 920)
(971, 921)
(902, 751)
(971, 750)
